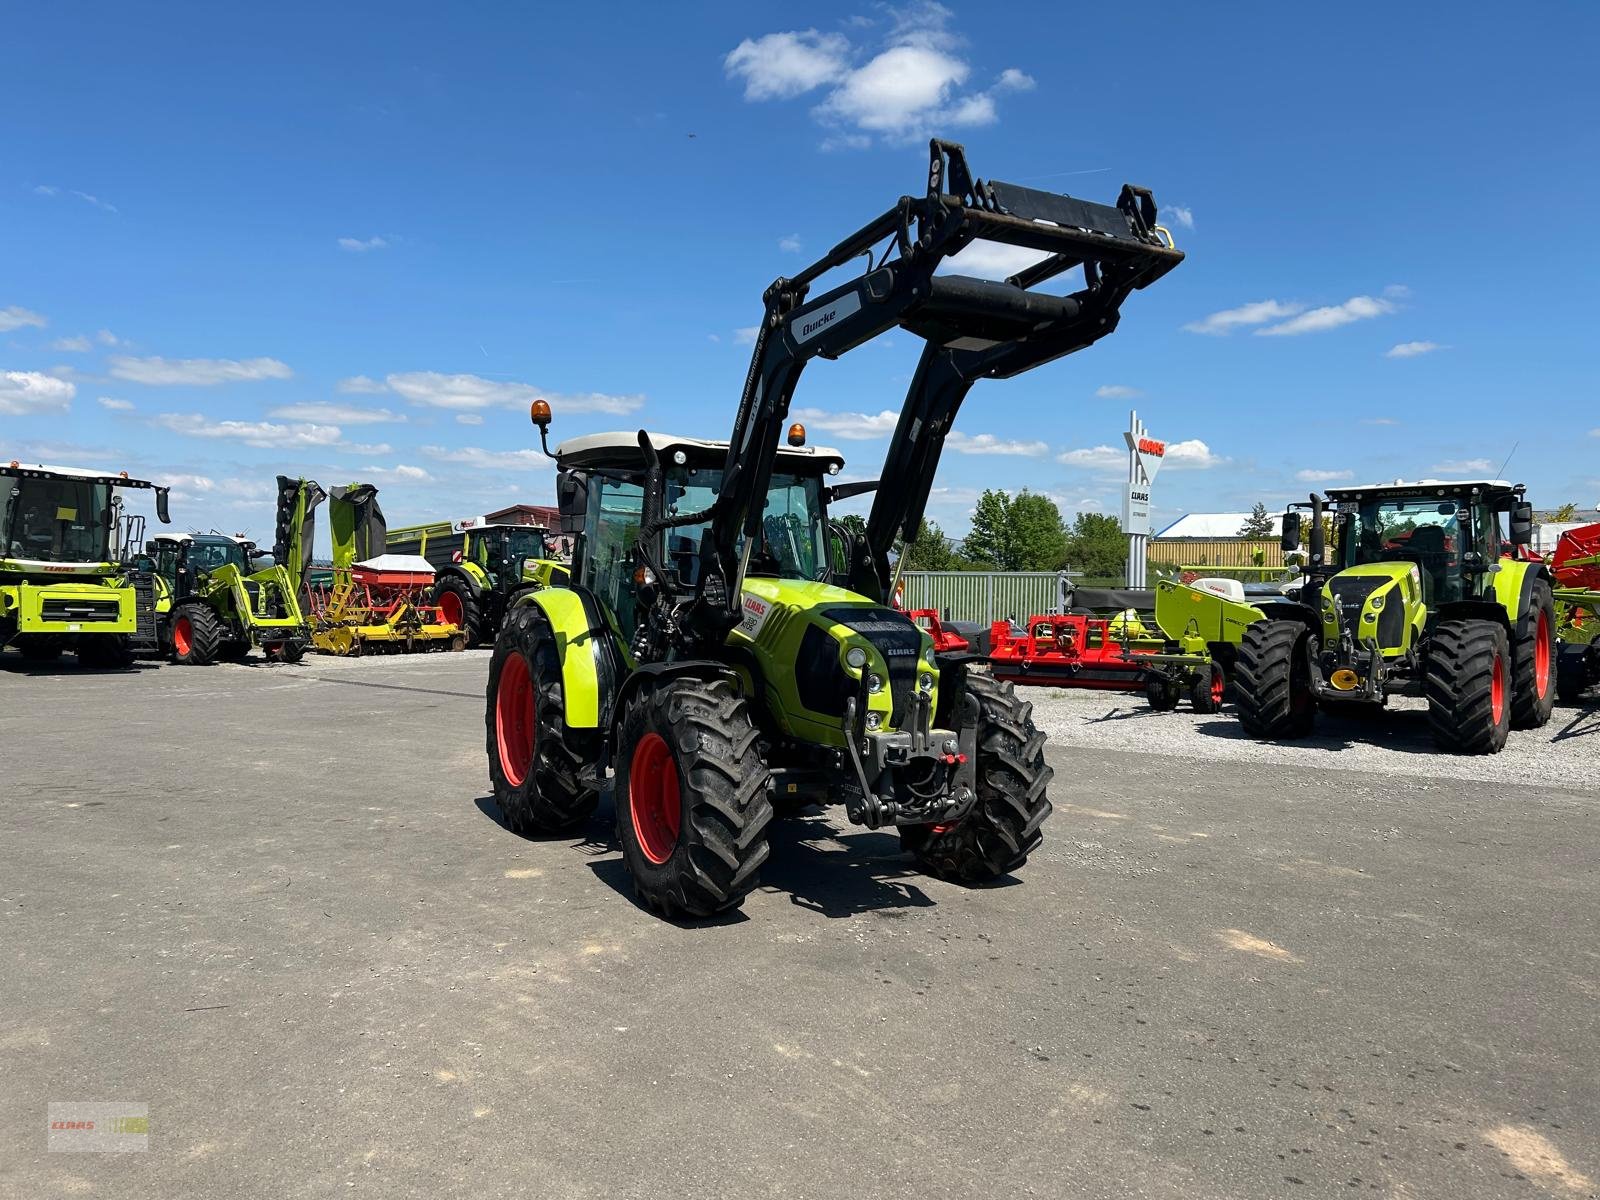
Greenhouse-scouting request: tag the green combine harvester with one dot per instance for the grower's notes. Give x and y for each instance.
(1423, 596)
(708, 659)
(481, 568)
(214, 598)
(65, 540)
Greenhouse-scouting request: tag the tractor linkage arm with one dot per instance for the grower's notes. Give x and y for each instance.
(972, 329)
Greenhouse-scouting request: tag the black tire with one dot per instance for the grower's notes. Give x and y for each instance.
(688, 750)
(458, 604)
(1465, 657)
(234, 651)
(196, 635)
(40, 647)
(1206, 694)
(1002, 829)
(535, 759)
(1573, 673)
(106, 651)
(1160, 693)
(1272, 680)
(292, 652)
(1534, 664)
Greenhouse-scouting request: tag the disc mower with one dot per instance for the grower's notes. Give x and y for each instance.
(708, 658)
(1418, 598)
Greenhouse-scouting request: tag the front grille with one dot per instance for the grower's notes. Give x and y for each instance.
(1349, 594)
(79, 610)
(898, 639)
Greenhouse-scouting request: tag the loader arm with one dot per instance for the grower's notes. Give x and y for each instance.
(973, 329)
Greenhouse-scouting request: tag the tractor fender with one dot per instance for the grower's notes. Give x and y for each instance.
(469, 573)
(1481, 609)
(592, 666)
(1513, 591)
(650, 673)
(1296, 610)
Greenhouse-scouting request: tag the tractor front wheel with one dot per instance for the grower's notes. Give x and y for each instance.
(1533, 695)
(691, 797)
(535, 759)
(458, 605)
(996, 837)
(1467, 679)
(196, 635)
(1272, 680)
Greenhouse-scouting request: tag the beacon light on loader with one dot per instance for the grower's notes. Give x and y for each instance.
(539, 413)
(797, 434)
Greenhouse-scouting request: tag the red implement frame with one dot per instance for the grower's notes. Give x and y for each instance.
(1068, 650)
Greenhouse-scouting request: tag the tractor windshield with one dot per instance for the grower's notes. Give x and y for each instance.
(1401, 529)
(525, 543)
(793, 545)
(57, 520)
(209, 554)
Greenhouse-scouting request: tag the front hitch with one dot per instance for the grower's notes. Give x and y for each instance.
(919, 776)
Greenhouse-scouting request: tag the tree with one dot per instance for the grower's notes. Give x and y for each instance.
(1097, 546)
(989, 540)
(1037, 536)
(1258, 524)
(1567, 512)
(929, 551)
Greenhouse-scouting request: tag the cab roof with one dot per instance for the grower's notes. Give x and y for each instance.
(197, 536)
(621, 449)
(1419, 487)
(44, 471)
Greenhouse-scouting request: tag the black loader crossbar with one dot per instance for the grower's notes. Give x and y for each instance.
(972, 329)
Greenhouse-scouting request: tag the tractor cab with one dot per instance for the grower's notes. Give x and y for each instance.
(182, 559)
(503, 549)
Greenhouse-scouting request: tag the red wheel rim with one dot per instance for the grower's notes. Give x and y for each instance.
(1217, 685)
(183, 636)
(653, 798)
(451, 609)
(513, 719)
(1497, 690)
(1541, 656)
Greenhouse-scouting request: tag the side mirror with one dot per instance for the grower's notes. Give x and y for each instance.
(161, 506)
(572, 498)
(1521, 524)
(1291, 532)
(150, 549)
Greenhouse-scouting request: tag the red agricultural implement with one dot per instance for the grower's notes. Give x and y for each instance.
(945, 639)
(1069, 650)
(1576, 564)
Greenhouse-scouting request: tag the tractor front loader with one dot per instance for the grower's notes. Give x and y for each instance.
(214, 599)
(709, 659)
(66, 582)
(1418, 599)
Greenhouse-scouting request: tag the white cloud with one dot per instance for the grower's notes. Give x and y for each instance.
(1412, 349)
(104, 205)
(25, 392)
(197, 372)
(234, 491)
(489, 460)
(341, 414)
(1118, 391)
(468, 419)
(1379, 421)
(362, 385)
(1313, 476)
(1180, 215)
(71, 345)
(264, 434)
(907, 85)
(1256, 313)
(1464, 466)
(987, 443)
(1192, 455)
(400, 473)
(106, 338)
(470, 392)
(1331, 316)
(1103, 459)
(991, 260)
(115, 405)
(17, 317)
(746, 336)
(790, 244)
(362, 245)
(851, 426)
(783, 65)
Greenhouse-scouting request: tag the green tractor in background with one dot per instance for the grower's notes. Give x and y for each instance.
(65, 583)
(481, 568)
(214, 600)
(1422, 596)
(711, 660)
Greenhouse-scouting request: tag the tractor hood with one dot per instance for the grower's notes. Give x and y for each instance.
(803, 635)
(1367, 601)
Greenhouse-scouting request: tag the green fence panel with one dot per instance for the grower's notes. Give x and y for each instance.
(984, 596)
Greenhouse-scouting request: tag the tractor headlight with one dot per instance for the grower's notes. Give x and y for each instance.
(856, 657)
(927, 654)
(925, 683)
(874, 683)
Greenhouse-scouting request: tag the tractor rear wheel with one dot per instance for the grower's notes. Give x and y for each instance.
(691, 797)
(535, 759)
(1533, 694)
(1467, 679)
(1272, 680)
(1160, 692)
(1206, 695)
(196, 635)
(111, 652)
(1002, 829)
(458, 605)
(40, 647)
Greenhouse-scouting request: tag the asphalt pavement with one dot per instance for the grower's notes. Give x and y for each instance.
(274, 904)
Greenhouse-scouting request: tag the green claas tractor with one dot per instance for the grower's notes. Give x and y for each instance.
(64, 581)
(481, 567)
(709, 659)
(1423, 596)
(214, 598)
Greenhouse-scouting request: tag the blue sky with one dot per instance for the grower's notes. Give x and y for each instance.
(352, 241)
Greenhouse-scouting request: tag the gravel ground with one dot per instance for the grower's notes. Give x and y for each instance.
(1397, 743)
